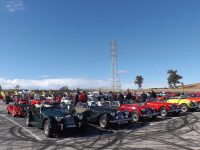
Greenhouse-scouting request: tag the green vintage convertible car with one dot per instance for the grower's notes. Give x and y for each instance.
(53, 118)
(103, 115)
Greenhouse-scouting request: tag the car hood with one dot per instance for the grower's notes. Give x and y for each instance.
(137, 106)
(104, 108)
(57, 112)
(159, 103)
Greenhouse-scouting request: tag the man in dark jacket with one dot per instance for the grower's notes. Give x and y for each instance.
(143, 97)
(76, 98)
(129, 95)
(121, 98)
(153, 95)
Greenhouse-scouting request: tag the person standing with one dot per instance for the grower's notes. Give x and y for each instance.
(143, 97)
(121, 98)
(153, 95)
(128, 96)
(76, 98)
(83, 97)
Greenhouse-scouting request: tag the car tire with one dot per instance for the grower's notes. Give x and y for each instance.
(198, 104)
(14, 115)
(184, 107)
(103, 121)
(47, 129)
(135, 116)
(163, 112)
(28, 120)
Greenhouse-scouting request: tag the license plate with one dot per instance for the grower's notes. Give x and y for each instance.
(122, 122)
(69, 121)
(71, 126)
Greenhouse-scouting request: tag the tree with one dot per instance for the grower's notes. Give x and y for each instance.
(173, 78)
(17, 87)
(139, 81)
(64, 88)
(0, 88)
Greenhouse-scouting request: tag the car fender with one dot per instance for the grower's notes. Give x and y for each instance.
(51, 120)
(137, 110)
(184, 101)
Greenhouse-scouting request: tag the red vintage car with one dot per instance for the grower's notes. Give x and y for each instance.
(161, 97)
(164, 108)
(18, 109)
(50, 101)
(138, 110)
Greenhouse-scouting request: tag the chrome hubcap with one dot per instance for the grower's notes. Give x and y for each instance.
(103, 122)
(164, 112)
(184, 109)
(135, 118)
(46, 128)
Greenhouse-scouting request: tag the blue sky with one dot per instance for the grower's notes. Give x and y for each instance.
(51, 43)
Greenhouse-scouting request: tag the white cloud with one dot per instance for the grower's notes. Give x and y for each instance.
(53, 83)
(123, 71)
(44, 76)
(72, 83)
(14, 5)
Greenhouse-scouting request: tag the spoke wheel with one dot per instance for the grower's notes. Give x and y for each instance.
(28, 120)
(163, 112)
(135, 116)
(103, 121)
(184, 108)
(47, 129)
(198, 104)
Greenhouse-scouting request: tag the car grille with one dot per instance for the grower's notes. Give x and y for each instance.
(120, 115)
(193, 104)
(147, 111)
(69, 120)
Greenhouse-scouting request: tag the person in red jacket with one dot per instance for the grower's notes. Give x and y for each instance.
(83, 97)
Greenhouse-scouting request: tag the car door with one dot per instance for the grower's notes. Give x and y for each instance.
(36, 116)
(93, 113)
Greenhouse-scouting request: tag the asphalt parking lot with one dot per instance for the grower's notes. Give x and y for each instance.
(180, 132)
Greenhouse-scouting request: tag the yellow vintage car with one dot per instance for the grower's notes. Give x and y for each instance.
(184, 104)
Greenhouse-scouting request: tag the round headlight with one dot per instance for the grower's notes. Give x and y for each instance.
(59, 118)
(80, 117)
(112, 114)
(127, 113)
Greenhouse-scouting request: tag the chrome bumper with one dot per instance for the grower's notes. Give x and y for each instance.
(121, 121)
(150, 115)
(174, 110)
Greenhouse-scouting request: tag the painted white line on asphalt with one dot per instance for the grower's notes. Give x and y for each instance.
(35, 136)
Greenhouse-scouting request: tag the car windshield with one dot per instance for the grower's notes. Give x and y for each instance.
(106, 104)
(133, 102)
(81, 105)
(60, 106)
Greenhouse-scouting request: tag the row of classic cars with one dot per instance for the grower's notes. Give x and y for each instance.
(53, 116)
